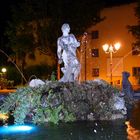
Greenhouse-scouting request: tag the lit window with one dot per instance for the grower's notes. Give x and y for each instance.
(135, 51)
(136, 71)
(95, 52)
(95, 72)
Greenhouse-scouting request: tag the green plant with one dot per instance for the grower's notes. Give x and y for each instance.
(53, 76)
(27, 102)
(4, 83)
(116, 90)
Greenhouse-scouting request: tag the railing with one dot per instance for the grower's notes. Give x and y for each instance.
(136, 87)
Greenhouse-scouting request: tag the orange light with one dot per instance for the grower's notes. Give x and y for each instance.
(3, 116)
(105, 47)
(117, 46)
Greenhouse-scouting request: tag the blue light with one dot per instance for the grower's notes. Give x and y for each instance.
(16, 129)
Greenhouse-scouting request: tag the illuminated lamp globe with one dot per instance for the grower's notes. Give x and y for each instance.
(105, 47)
(4, 70)
(117, 46)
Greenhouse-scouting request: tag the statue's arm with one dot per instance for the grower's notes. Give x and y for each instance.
(75, 42)
(59, 50)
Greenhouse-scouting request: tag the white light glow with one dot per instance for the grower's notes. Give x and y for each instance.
(111, 48)
(21, 128)
(15, 129)
(3, 70)
(105, 47)
(117, 46)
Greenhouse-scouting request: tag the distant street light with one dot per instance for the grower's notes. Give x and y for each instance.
(4, 70)
(111, 49)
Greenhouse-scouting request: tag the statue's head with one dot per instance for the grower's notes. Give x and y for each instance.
(65, 27)
(125, 74)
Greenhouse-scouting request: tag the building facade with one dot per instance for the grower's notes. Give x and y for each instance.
(111, 30)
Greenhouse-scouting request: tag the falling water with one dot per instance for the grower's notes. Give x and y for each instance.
(123, 59)
(14, 65)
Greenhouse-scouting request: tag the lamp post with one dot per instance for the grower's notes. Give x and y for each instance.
(112, 48)
(84, 44)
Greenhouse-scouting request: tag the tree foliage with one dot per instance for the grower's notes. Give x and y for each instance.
(135, 29)
(37, 23)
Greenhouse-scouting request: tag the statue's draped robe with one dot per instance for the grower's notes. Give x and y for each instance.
(66, 51)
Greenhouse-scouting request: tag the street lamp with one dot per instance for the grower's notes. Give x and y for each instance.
(3, 70)
(111, 49)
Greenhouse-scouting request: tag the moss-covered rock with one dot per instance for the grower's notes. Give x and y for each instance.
(57, 101)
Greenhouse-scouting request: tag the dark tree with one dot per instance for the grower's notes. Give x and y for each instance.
(135, 29)
(36, 24)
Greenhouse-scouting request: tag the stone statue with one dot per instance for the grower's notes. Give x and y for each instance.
(66, 52)
(126, 85)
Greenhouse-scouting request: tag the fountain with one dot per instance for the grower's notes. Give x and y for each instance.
(126, 55)
(14, 64)
(65, 100)
(95, 108)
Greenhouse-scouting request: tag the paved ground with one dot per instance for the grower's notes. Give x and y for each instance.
(7, 91)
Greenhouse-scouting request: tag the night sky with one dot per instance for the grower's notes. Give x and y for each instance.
(6, 4)
(5, 13)
(109, 2)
